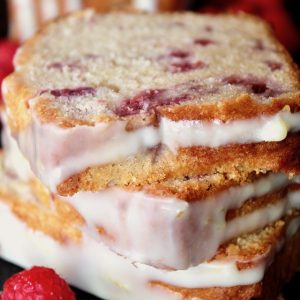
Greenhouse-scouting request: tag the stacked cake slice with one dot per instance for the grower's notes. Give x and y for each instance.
(154, 156)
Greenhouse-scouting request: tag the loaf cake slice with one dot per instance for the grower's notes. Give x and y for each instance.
(105, 89)
(48, 232)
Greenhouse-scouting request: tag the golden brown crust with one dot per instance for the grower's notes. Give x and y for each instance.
(169, 5)
(47, 221)
(46, 213)
(256, 203)
(108, 5)
(233, 162)
(49, 114)
(193, 189)
(16, 95)
(241, 108)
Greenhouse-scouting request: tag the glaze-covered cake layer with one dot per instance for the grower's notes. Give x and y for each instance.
(176, 216)
(242, 270)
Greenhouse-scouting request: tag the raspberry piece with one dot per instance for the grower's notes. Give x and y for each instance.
(252, 84)
(203, 42)
(144, 101)
(60, 66)
(273, 65)
(7, 52)
(81, 91)
(37, 283)
(255, 85)
(149, 100)
(179, 53)
(259, 45)
(3, 74)
(208, 28)
(185, 66)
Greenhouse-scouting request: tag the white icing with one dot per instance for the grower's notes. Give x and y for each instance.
(294, 199)
(149, 5)
(49, 9)
(92, 267)
(257, 219)
(215, 134)
(52, 150)
(168, 232)
(14, 161)
(293, 227)
(72, 5)
(170, 223)
(25, 16)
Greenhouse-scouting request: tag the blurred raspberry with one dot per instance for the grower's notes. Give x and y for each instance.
(37, 283)
(7, 52)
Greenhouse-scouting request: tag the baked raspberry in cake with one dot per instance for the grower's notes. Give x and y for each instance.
(153, 93)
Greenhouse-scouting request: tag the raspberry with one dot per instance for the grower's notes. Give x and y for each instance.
(273, 65)
(76, 92)
(37, 283)
(7, 52)
(149, 100)
(185, 66)
(179, 53)
(203, 42)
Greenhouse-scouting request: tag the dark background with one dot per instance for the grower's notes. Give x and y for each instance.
(285, 18)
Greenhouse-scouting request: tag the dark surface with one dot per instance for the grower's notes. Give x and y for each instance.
(3, 18)
(291, 291)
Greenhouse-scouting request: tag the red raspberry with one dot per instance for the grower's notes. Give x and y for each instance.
(7, 52)
(3, 74)
(37, 283)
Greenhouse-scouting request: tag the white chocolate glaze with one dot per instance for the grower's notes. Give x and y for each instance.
(52, 150)
(294, 198)
(94, 268)
(49, 9)
(26, 23)
(215, 134)
(293, 227)
(168, 223)
(26, 14)
(14, 161)
(148, 5)
(168, 232)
